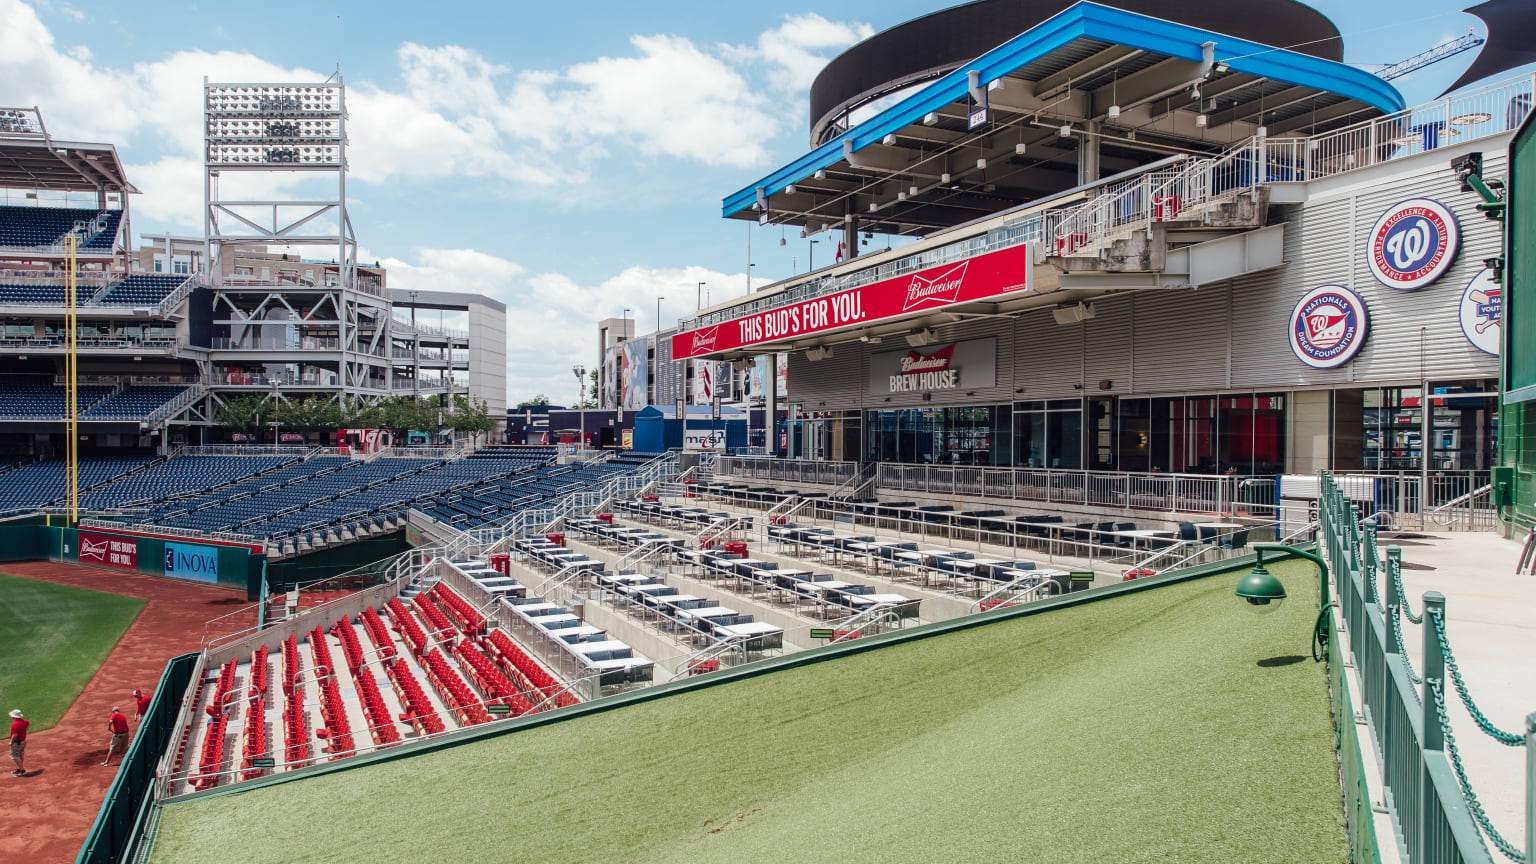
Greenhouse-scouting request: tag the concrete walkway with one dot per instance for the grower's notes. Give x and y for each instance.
(1491, 622)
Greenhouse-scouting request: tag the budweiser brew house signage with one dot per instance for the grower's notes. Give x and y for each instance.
(1006, 271)
(966, 365)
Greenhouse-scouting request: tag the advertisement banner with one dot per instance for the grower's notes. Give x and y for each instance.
(957, 366)
(610, 383)
(634, 376)
(704, 439)
(703, 382)
(782, 366)
(756, 381)
(1005, 271)
(105, 550)
(192, 562)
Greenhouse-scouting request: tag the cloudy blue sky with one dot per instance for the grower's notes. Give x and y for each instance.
(568, 159)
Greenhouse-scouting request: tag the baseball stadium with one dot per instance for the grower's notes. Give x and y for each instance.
(1144, 480)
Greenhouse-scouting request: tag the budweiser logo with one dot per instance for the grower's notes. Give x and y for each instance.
(89, 549)
(915, 363)
(704, 340)
(940, 288)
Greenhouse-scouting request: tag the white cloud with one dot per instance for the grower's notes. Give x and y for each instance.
(797, 49)
(462, 270)
(457, 113)
(552, 318)
(675, 100)
(554, 325)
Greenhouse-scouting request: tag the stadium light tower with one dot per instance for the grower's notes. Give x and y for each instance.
(264, 136)
(270, 129)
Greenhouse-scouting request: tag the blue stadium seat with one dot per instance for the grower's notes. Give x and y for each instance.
(133, 401)
(140, 289)
(44, 226)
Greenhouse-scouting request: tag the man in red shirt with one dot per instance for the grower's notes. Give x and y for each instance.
(18, 740)
(141, 703)
(119, 745)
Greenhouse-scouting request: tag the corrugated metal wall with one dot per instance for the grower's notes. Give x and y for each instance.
(1232, 335)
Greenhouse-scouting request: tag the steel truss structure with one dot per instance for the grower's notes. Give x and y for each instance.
(271, 131)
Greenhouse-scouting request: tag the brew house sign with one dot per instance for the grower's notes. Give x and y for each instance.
(959, 365)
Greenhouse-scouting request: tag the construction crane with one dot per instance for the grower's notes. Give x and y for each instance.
(1432, 56)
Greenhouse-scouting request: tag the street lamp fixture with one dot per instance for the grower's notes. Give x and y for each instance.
(1260, 591)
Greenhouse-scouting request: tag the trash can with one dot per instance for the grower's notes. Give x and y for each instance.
(556, 537)
(501, 562)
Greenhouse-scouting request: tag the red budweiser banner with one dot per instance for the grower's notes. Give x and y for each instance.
(1005, 271)
(105, 550)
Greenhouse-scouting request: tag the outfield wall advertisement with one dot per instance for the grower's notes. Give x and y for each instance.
(108, 550)
(191, 561)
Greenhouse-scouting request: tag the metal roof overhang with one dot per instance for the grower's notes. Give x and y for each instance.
(39, 163)
(1068, 70)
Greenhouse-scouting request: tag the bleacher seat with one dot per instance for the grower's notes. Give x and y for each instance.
(45, 226)
(45, 399)
(133, 401)
(141, 289)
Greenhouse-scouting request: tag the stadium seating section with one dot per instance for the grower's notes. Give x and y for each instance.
(45, 400)
(140, 289)
(40, 483)
(436, 682)
(97, 402)
(45, 226)
(133, 401)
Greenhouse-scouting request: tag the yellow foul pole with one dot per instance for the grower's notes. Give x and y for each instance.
(71, 373)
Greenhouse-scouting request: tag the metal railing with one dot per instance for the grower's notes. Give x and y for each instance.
(172, 531)
(168, 409)
(1217, 494)
(1403, 501)
(242, 450)
(1452, 120)
(828, 473)
(1428, 794)
(109, 343)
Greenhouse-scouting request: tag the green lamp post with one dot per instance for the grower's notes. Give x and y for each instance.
(1262, 593)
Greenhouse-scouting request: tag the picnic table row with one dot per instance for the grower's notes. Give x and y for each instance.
(1042, 530)
(907, 559)
(828, 596)
(698, 620)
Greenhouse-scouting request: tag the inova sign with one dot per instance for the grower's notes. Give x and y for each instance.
(194, 563)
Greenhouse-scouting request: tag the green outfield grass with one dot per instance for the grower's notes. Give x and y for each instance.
(1166, 725)
(53, 638)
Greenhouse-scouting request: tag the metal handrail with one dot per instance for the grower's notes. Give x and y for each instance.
(1017, 590)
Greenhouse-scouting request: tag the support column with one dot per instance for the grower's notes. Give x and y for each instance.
(1088, 154)
(770, 407)
(850, 239)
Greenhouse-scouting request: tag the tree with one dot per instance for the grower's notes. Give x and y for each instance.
(535, 402)
(472, 416)
(243, 414)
